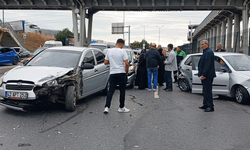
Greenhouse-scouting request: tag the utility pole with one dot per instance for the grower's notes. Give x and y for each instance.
(159, 33)
(123, 22)
(3, 18)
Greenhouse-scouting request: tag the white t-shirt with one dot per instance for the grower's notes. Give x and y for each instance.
(116, 57)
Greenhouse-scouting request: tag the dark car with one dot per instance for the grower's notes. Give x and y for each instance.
(8, 56)
(37, 51)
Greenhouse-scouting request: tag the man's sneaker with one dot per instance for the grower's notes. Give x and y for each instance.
(106, 110)
(123, 110)
(149, 90)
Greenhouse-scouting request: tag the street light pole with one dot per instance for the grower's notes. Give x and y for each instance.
(144, 32)
(159, 33)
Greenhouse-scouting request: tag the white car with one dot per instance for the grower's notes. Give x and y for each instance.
(232, 75)
(58, 74)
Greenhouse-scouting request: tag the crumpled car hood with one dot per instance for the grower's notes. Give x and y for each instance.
(36, 74)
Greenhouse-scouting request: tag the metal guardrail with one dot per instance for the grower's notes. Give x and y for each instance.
(12, 33)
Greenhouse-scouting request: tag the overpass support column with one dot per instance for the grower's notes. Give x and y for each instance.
(218, 38)
(223, 34)
(90, 15)
(82, 27)
(236, 33)
(229, 34)
(75, 27)
(208, 37)
(245, 32)
(213, 46)
(211, 38)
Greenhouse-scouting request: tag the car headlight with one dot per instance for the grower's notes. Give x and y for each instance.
(1, 81)
(51, 83)
(131, 68)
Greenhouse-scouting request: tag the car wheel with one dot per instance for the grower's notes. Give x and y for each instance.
(183, 85)
(15, 61)
(106, 90)
(70, 99)
(241, 95)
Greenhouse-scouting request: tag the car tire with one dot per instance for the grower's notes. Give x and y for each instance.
(106, 90)
(70, 98)
(241, 95)
(15, 61)
(131, 86)
(183, 85)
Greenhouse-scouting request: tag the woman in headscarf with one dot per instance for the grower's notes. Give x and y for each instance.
(161, 69)
(141, 77)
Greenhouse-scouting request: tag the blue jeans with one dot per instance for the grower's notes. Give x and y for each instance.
(153, 71)
(168, 79)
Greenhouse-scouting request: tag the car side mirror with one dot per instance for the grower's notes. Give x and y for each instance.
(87, 66)
(223, 69)
(25, 61)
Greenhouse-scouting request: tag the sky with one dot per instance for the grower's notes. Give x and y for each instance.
(174, 23)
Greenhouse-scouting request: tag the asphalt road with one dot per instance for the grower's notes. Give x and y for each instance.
(4, 68)
(171, 122)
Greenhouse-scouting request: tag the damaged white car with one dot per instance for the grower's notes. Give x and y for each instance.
(58, 74)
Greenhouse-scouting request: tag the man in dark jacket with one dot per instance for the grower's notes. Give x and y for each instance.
(219, 48)
(152, 63)
(206, 72)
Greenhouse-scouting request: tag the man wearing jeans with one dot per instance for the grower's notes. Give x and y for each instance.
(170, 65)
(117, 58)
(152, 63)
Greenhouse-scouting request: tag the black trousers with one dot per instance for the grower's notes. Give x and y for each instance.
(117, 79)
(207, 92)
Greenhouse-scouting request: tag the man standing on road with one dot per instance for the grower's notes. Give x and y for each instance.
(219, 48)
(117, 58)
(206, 72)
(170, 65)
(180, 54)
(153, 59)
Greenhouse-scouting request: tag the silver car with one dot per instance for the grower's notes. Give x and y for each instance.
(58, 74)
(232, 75)
(132, 67)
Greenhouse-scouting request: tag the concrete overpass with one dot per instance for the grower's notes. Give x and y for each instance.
(224, 27)
(87, 8)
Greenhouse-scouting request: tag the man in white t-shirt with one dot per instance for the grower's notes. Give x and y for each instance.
(117, 58)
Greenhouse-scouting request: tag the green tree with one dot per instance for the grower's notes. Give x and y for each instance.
(61, 35)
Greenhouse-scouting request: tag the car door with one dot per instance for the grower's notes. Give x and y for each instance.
(220, 83)
(9, 53)
(2, 55)
(102, 70)
(196, 82)
(89, 75)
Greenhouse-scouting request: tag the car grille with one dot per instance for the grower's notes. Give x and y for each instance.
(19, 85)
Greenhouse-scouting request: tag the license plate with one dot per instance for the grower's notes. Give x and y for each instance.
(16, 95)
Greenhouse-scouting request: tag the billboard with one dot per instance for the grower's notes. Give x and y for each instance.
(117, 28)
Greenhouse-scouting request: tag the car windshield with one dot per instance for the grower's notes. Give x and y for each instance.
(239, 62)
(101, 47)
(56, 58)
(37, 51)
(130, 56)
